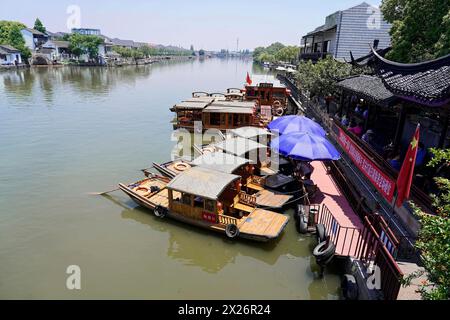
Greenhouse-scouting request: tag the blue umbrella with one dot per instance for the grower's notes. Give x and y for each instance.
(304, 146)
(290, 124)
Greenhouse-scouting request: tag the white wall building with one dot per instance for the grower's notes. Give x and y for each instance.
(354, 29)
(9, 55)
(33, 38)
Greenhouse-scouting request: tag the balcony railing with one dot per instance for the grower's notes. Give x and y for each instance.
(314, 56)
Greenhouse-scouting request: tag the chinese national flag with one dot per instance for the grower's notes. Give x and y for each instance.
(405, 176)
(249, 80)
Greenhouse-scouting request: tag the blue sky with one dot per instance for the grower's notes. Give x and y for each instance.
(205, 24)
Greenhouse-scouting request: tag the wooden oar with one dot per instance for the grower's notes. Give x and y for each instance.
(102, 193)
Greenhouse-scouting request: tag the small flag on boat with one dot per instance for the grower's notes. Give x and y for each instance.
(249, 80)
(405, 176)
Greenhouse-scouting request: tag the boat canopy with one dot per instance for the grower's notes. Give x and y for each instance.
(220, 161)
(228, 109)
(202, 182)
(201, 99)
(238, 146)
(191, 105)
(250, 132)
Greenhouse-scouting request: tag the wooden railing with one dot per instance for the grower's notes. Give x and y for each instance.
(345, 239)
(372, 250)
(247, 199)
(367, 245)
(225, 220)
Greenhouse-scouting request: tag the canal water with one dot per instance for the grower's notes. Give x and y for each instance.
(65, 132)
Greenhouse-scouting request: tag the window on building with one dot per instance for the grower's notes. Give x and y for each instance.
(326, 46)
(316, 47)
(376, 42)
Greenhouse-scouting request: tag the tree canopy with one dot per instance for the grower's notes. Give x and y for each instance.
(320, 79)
(84, 44)
(10, 34)
(39, 26)
(276, 52)
(420, 29)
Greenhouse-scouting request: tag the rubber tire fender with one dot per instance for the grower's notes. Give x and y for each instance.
(232, 231)
(302, 224)
(321, 233)
(160, 212)
(322, 254)
(349, 287)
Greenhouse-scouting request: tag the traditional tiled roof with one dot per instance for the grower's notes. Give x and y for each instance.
(369, 87)
(6, 49)
(426, 83)
(36, 32)
(368, 59)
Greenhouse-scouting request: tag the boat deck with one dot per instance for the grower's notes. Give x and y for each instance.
(263, 223)
(330, 196)
(270, 199)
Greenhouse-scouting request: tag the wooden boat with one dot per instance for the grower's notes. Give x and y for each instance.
(269, 198)
(253, 106)
(208, 199)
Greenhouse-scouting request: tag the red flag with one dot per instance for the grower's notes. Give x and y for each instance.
(249, 80)
(405, 176)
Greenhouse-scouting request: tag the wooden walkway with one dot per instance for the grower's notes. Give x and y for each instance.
(344, 225)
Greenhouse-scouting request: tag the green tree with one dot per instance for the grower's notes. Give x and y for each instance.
(274, 48)
(287, 54)
(10, 34)
(39, 26)
(434, 236)
(85, 44)
(420, 29)
(320, 79)
(257, 52)
(266, 57)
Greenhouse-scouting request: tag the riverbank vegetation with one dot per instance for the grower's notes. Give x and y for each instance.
(320, 79)
(276, 52)
(10, 34)
(147, 51)
(84, 44)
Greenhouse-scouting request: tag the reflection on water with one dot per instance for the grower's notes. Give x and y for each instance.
(65, 132)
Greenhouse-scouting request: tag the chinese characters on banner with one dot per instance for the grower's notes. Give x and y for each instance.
(384, 184)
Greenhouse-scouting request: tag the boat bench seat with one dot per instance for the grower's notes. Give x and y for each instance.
(243, 207)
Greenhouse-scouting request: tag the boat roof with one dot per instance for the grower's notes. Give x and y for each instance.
(220, 161)
(240, 104)
(191, 105)
(238, 146)
(278, 180)
(220, 108)
(258, 79)
(202, 182)
(201, 99)
(250, 132)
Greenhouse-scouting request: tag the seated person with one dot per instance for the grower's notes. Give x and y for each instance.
(421, 154)
(356, 130)
(395, 162)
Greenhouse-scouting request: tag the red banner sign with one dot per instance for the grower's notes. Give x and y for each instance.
(384, 184)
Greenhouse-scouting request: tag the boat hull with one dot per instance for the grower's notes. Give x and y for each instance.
(217, 228)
